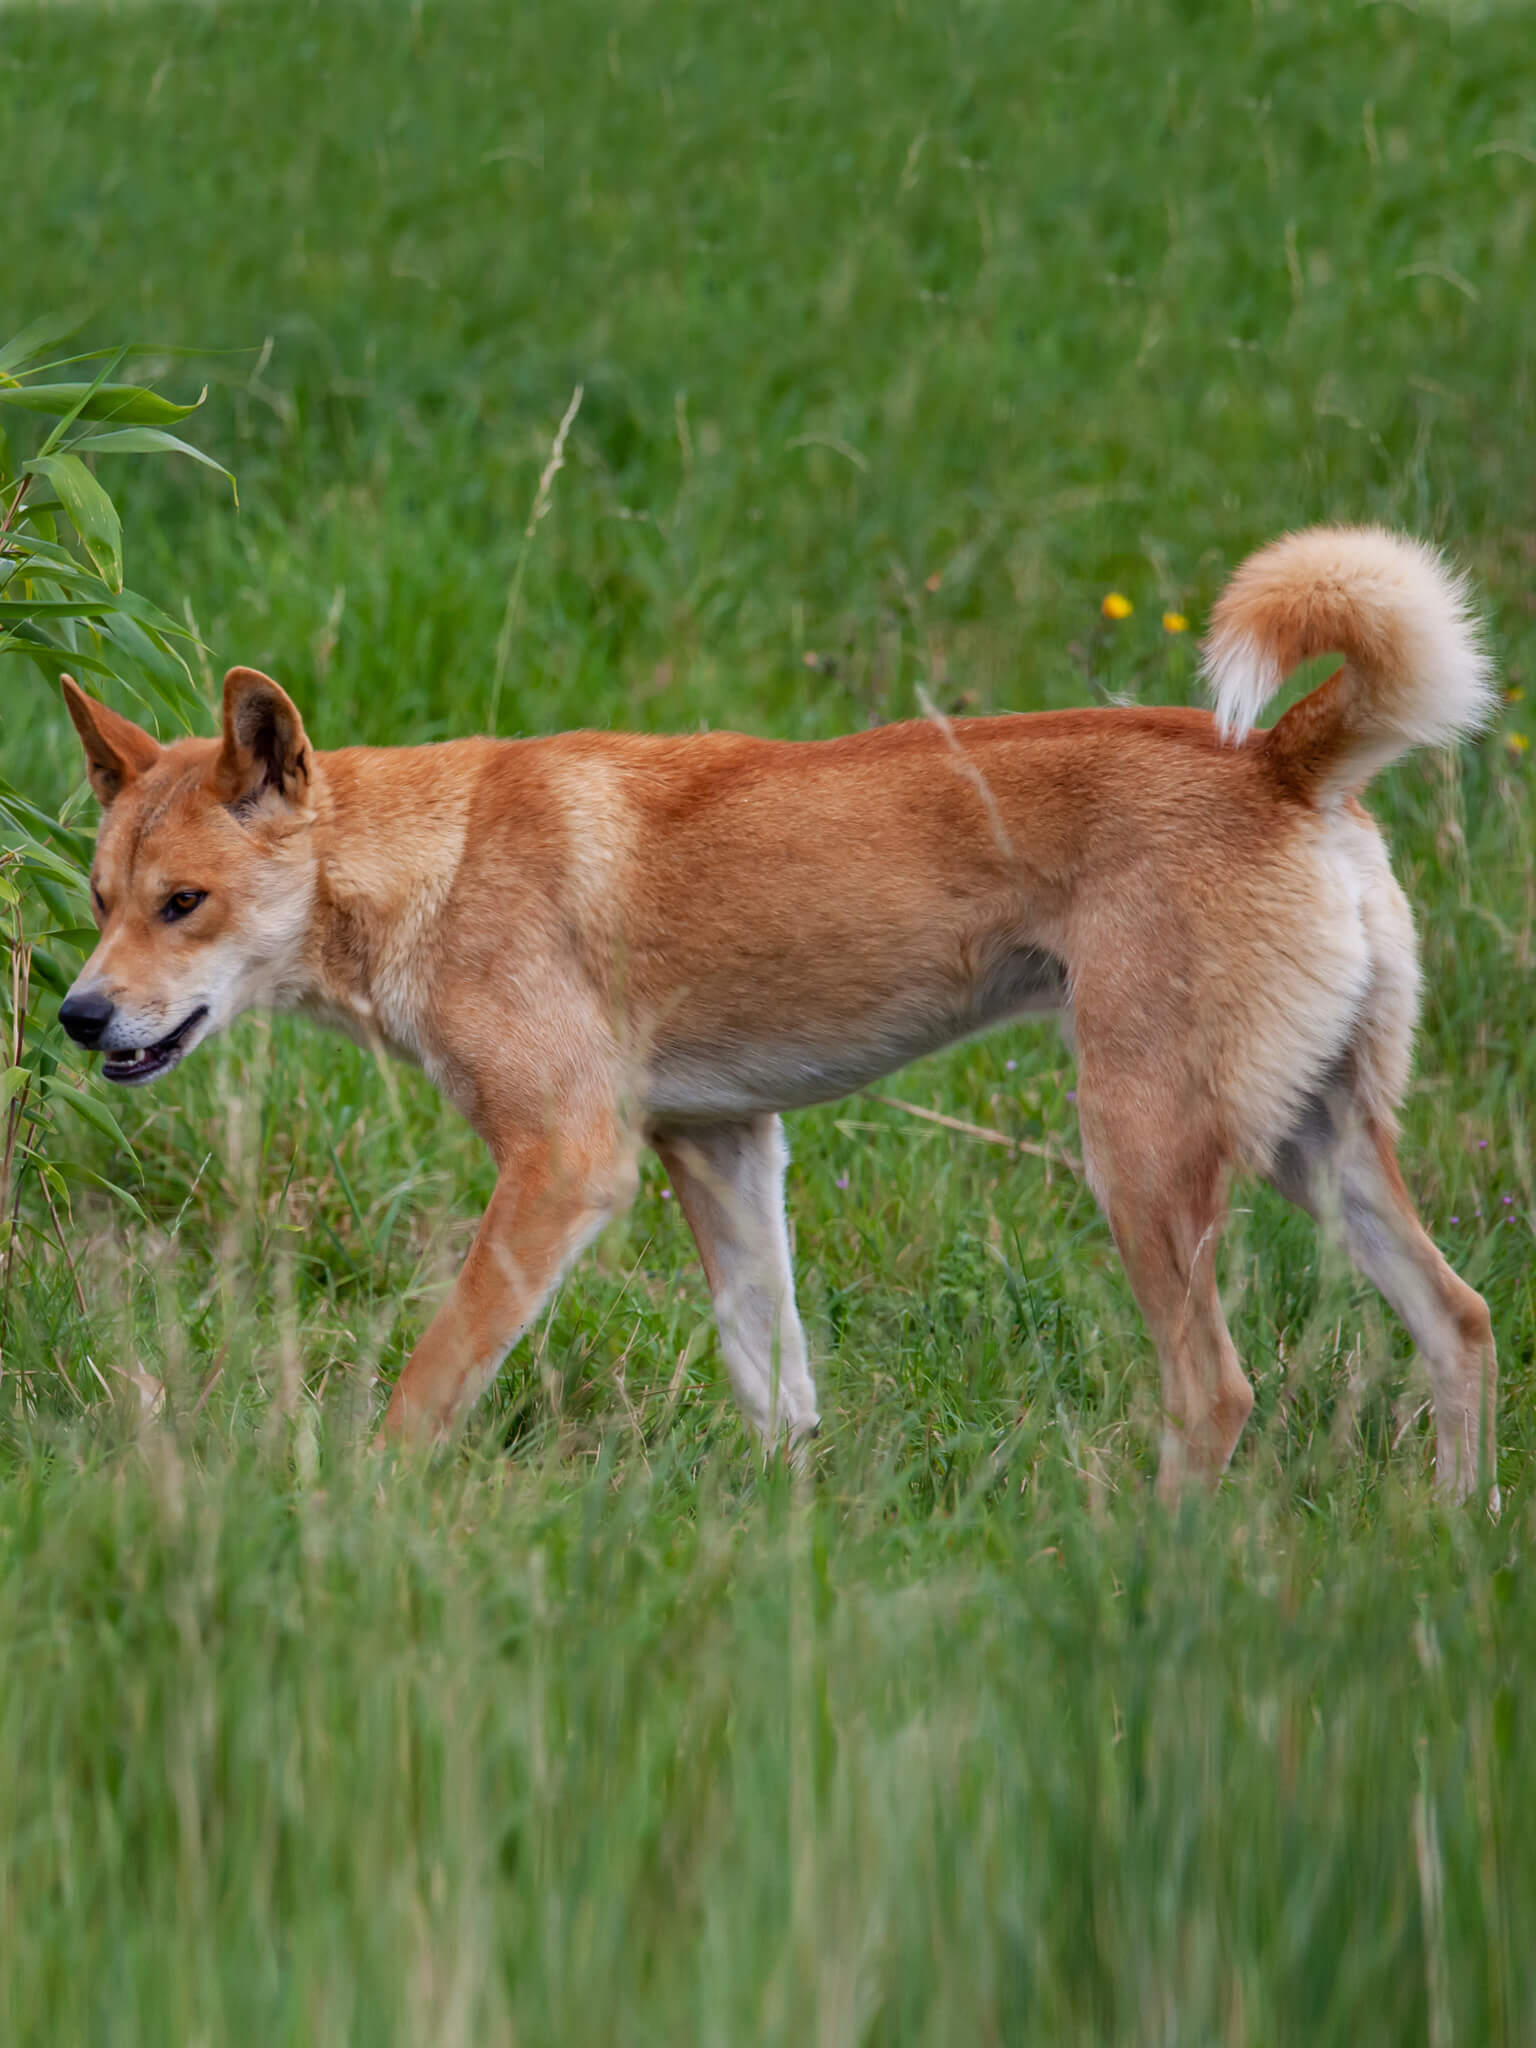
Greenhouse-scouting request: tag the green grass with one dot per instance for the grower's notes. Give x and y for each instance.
(905, 333)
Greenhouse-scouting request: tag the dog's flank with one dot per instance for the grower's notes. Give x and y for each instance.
(595, 940)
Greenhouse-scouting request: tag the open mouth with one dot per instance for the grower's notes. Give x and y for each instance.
(148, 1062)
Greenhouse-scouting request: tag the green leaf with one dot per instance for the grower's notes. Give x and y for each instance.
(164, 676)
(27, 548)
(38, 857)
(36, 507)
(129, 403)
(129, 606)
(74, 842)
(103, 376)
(99, 603)
(17, 609)
(32, 561)
(141, 440)
(12, 1081)
(84, 1175)
(95, 1113)
(55, 661)
(91, 512)
(48, 971)
(53, 658)
(92, 599)
(62, 901)
(33, 339)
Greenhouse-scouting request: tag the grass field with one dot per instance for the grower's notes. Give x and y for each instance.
(905, 332)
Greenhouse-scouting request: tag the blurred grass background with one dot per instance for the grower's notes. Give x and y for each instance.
(905, 333)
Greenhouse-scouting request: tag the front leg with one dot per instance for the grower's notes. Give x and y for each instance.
(555, 1192)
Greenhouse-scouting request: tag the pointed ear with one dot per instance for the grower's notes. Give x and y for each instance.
(264, 742)
(116, 750)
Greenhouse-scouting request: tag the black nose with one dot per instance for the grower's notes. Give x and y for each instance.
(85, 1018)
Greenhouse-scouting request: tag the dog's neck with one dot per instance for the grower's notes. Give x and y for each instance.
(387, 838)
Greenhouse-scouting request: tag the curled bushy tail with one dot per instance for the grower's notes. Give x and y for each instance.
(1415, 671)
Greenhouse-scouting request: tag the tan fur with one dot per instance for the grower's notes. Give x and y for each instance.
(596, 939)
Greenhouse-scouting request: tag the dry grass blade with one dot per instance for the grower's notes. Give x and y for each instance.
(984, 1132)
(542, 499)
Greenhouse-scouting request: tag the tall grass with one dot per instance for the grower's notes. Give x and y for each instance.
(904, 334)
(650, 1755)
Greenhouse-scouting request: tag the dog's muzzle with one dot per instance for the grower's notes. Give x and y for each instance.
(92, 1019)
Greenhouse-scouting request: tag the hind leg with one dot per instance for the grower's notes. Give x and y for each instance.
(1165, 1198)
(1340, 1165)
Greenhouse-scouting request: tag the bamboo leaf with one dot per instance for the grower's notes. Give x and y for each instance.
(61, 900)
(89, 604)
(36, 561)
(84, 1176)
(48, 971)
(158, 667)
(65, 570)
(15, 610)
(27, 548)
(35, 856)
(92, 513)
(74, 842)
(52, 657)
(103, 376)
(142, 440)
(130, 404)
(95, 1113)
(33, 339)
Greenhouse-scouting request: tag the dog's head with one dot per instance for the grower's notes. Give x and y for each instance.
(203, 879)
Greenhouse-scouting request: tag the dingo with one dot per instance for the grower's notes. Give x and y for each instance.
(598, 939)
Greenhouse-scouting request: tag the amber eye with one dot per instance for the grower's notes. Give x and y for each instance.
(183, 902)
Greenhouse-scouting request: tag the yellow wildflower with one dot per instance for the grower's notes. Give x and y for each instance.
(1175, 622)
(1514, 694)
(1116, 607)
(1520, 742)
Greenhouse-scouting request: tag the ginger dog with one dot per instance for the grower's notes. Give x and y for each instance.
(601, 939)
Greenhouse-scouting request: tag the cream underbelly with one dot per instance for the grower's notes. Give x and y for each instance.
(746, 1072)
